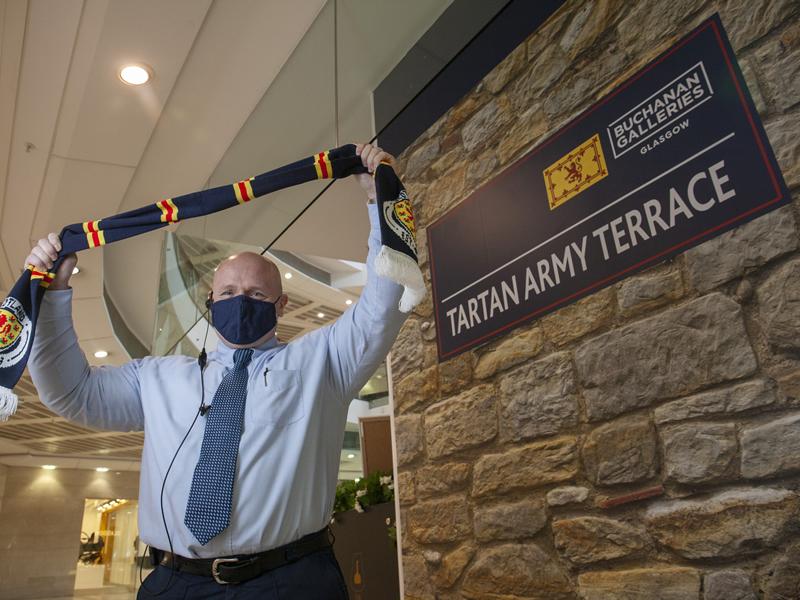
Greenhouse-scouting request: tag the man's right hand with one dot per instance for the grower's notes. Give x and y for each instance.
(44, 253)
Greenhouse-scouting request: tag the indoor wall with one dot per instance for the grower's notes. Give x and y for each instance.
(643, 442)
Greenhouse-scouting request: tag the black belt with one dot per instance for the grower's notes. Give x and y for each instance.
(236, 569)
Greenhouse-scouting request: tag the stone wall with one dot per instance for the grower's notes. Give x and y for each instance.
(643, 442)
(40, 526)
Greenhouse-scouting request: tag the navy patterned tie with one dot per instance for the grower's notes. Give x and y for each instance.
(208, 511)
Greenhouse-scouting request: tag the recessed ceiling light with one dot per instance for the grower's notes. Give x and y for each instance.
(351, 456)
(100, 354)
(287, 275)
(102, 469)
(320, 315)
(135, 74)
(75, 270)
(348, 302)
(49, 467)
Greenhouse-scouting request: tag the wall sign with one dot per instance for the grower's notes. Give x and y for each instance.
(672, 157)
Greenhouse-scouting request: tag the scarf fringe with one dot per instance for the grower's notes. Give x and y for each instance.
(8, 403)
(403, 270)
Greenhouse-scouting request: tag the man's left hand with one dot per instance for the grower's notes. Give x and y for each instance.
(371, 157)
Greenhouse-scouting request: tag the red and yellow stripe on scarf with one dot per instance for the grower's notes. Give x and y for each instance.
(322, 163)
(243, 191)
(94, 235)
(169, 212)
(45, 276)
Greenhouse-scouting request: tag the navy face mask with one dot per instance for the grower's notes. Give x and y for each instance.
(243, 320)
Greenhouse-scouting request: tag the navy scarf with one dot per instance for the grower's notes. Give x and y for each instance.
(396, 260)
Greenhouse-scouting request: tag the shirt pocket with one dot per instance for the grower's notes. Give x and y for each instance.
(278, 403)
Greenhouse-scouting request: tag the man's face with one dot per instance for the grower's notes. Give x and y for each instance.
(253, 275)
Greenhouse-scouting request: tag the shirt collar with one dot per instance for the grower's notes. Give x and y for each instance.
(224, 353)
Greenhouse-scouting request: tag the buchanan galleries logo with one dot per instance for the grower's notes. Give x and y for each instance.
(660, 110)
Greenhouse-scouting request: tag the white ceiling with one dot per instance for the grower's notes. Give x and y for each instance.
(240, 87)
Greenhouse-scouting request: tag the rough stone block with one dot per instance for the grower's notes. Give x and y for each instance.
(671, 354)
(779, 63)
(733, 584)
(744, 28)
(485, 124)
(408, 434)
(452, 565)
(784, 136)
(529, 466)
(416, 581)
(407, 351)
(623, 451)
(525, 132)
(732, 523)
(509, 521)
(518, 571)
(461, 422)
(567, 495)
(499, 77)
(699, 452)
(542, 71)
(779, 306)
(578, 319)
(585, 540)
(641, 293)
(439, 521)
(417, 389)
(435, 480)
(677, 583)
(406, 488)
(538, 399)
(421, 159)
(511, 351)
(455, 374)
(443, 192)
(784, 575)
(753, 244)
(728, 401)
(772, 448)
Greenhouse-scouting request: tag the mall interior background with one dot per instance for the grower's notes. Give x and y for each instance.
(237, 88)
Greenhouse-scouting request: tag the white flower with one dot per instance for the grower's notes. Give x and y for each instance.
(358, 507)
(386, 480)
(360, 493)
(391, 486)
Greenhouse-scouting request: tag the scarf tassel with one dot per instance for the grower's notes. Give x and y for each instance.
(8, 403)
(401, 269)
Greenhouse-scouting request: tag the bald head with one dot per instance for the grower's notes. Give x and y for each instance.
(253, 275)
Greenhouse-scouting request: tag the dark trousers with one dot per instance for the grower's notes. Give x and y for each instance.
(315, 576)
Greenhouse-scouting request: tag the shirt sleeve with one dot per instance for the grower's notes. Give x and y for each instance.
(102, 397)
(361, 338)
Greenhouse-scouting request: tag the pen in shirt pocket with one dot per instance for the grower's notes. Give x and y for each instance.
(266, 370)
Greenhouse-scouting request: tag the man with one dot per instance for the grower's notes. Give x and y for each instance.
(255, 477)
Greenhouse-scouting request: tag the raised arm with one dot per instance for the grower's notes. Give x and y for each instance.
(361, 338)
(101, 397)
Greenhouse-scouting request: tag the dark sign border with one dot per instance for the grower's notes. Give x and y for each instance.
(715, 24)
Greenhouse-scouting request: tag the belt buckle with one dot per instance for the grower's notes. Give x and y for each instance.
(214, 568)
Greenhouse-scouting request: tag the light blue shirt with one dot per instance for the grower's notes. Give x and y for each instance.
(293, 426)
